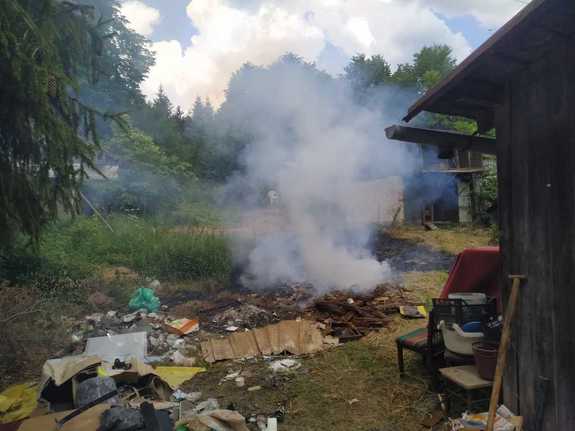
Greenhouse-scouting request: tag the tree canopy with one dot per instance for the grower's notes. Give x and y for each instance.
(47, 136)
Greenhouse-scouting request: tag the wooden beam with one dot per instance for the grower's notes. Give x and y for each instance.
(442, 138)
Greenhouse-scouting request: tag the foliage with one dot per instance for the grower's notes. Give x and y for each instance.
(80, 247)
(125, 62)
(45, 47)
(364, 72)
(148, 180)
(487, 196)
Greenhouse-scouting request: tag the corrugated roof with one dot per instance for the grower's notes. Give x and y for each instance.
(474, 89)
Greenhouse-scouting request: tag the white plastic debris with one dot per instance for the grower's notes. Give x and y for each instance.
(96, 317)
(272, 424)
(179, 359)
(232, 328)
(129, 318)
(180, 395)
(206, 406)
(155, 284)
(254, 388)
(123, 347)
(284, 365)
(240, 381)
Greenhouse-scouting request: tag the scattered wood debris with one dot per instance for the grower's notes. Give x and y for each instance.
(350, 317)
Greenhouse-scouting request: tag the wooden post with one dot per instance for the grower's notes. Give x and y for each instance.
(503, 347)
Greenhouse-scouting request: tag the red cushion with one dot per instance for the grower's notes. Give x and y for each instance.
(476, 270)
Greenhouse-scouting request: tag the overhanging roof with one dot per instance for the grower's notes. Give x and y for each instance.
(442, 139)
(475, 88)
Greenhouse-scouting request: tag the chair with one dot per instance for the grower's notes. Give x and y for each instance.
(475, 270)
(427, 341)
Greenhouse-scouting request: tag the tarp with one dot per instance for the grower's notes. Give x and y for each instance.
(175, 376)
(476, 270)
(297, 337)
(18, 402)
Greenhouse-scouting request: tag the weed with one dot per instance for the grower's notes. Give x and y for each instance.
(78, 248)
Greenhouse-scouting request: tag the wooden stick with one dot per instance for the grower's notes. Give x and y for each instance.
(503, 347)
(100, 216)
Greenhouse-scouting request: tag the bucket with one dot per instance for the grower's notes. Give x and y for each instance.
(485, 359)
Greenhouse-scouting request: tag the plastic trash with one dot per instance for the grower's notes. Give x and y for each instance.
(92, 389)
(121, 419)
(18, 402)
(123, 347)
(144, 298)
(175, 376)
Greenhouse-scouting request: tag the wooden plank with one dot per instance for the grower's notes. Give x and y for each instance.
(442, 138)
(562, 236)
(465, 376)
(505, 182)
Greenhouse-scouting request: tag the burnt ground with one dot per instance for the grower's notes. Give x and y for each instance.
(406, 255)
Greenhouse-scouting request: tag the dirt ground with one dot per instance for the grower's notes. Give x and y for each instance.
(355, 386)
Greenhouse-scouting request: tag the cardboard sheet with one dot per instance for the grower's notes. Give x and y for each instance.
(63, 369)
(297, 337)
(87, 421)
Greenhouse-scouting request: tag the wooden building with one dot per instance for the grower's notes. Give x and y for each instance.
(443, 190)
(522, 83)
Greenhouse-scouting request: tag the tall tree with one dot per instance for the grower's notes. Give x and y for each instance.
(430, 65)
(364, 72)
(125, 63)
(46, 48)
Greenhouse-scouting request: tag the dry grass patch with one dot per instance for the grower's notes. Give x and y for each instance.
(452, 239)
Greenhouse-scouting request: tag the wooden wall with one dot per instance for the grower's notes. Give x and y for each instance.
(536, 163)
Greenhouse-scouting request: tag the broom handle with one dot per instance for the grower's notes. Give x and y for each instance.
(503, 347)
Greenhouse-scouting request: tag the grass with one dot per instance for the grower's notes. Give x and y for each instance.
(81, 247)
(353, 387)
(451, 239)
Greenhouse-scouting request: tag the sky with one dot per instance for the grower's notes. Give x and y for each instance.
(199, 44)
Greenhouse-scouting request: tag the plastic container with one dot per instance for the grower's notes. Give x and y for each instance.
(470, 298)
(457, 340)
(485, 354)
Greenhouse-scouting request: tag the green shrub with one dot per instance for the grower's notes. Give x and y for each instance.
(78, 248)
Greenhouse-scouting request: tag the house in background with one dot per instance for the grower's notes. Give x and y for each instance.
(444, 190)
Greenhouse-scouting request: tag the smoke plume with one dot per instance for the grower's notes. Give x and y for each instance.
(328, 158)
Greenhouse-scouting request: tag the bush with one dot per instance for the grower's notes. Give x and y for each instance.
(80, 247)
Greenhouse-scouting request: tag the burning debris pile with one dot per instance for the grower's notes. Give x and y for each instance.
(352, 317)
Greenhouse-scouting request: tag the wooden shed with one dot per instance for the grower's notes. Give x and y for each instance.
(522, 83)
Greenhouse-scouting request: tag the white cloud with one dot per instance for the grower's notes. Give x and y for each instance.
(142, 17)
(230, 34)
(490, 13)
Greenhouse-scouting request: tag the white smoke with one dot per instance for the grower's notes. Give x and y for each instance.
(316, 146)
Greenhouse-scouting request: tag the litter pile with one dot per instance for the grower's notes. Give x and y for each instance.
(125, 370)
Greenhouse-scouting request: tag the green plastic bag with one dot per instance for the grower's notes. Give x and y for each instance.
(144, 298)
